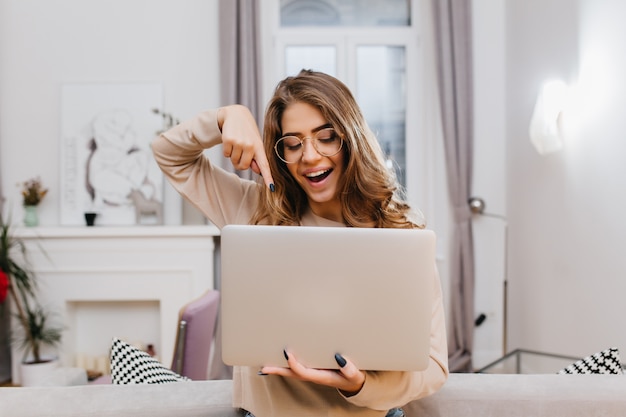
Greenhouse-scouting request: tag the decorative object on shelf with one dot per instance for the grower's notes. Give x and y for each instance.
(90, 218)
(33, 192)
(31, 217)
(34, 327)
(147, 211)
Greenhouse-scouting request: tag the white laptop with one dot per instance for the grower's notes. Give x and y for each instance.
(317, 291)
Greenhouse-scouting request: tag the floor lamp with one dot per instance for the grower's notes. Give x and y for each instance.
(477, 206)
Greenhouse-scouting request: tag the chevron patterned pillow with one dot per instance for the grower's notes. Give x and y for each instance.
(605, 362)
(130, 365)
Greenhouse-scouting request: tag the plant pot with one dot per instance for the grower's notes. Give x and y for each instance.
(31, 217)
(90, 218)
(37, 374)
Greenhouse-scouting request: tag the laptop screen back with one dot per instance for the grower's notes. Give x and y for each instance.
(316, 291)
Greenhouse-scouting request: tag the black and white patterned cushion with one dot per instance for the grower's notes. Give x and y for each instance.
(605, 362)
(130, 365)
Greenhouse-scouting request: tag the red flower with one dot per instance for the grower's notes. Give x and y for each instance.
(4, 285)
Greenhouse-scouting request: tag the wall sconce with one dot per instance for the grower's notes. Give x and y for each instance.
(546, 125)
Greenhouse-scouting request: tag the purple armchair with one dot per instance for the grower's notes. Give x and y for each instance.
(194, 338)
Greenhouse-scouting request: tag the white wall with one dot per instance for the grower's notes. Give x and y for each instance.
(566, 210)
(44, 44)
(488, 176)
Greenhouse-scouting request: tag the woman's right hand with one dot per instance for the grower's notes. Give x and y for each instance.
(242, 142)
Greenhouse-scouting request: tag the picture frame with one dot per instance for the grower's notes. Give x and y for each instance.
(107, 167)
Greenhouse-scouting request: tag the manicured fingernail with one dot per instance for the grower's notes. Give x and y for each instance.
(285, 353)
(272, 188)
(261, 373)
(340, 360)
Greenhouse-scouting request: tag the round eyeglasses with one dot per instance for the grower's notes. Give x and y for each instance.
(326, 142)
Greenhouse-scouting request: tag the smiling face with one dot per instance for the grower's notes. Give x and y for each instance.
(318, 175)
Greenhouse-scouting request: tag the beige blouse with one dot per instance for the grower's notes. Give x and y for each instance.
(225, 198)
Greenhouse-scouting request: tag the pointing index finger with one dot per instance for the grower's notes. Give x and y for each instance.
(263, 168)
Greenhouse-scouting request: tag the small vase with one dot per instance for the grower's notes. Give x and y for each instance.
(90, 218)
(31, 218)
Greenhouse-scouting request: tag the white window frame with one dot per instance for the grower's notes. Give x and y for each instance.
(420, 157)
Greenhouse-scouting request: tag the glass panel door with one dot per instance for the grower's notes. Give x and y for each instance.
(314, 57)
(381, 93)
(370, 46)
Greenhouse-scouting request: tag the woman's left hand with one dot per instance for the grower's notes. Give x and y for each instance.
(348, 378)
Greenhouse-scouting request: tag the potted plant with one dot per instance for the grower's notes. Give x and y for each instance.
(34, 328)
(32, 192)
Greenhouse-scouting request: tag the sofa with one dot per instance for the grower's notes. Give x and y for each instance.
(467, 395)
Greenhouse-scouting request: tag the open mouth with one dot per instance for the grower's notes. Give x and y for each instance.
(318, 176)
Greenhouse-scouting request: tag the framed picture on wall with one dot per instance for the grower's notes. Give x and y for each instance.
(107, 165)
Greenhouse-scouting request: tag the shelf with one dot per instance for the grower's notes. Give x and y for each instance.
(60, 232)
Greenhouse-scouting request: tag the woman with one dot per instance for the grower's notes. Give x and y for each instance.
(320, 166)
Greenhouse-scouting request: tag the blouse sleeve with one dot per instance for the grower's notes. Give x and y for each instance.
(221, 196)
(388, 389)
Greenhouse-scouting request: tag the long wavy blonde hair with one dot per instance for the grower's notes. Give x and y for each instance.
(369, 192)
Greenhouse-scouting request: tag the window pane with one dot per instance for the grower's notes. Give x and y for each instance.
(345, 13)
(314, 57)
(381, 93)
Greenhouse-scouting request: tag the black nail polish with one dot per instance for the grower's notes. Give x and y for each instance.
(340, 360)
(272, 188)
(261, 373)
(285, 353)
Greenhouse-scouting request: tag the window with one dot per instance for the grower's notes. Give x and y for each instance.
(345, 13)
(372, 46)
(379, 49)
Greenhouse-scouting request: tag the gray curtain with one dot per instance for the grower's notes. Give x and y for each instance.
(453, 45)
(240, 83)
(240, 59)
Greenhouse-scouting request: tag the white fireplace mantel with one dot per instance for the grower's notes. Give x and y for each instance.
(127, 282)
